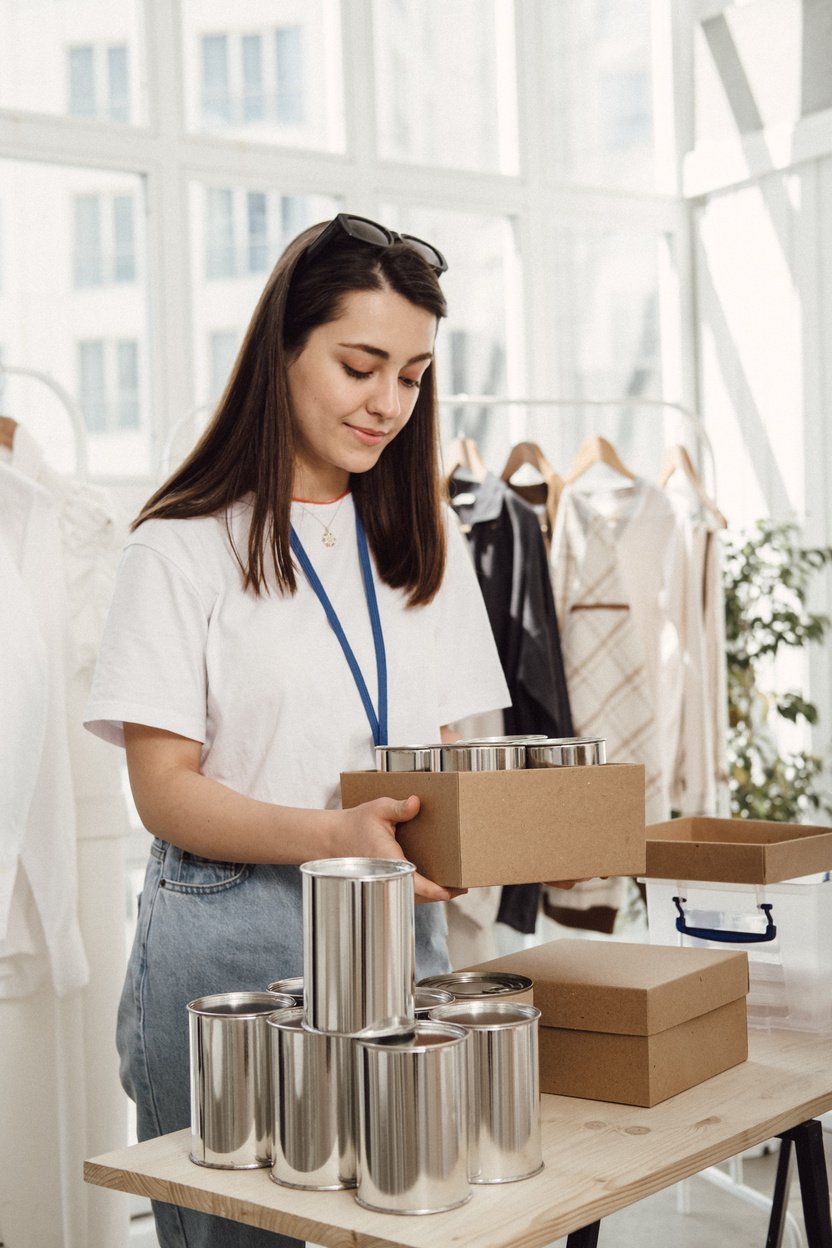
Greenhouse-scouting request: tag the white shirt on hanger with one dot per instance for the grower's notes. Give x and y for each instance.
(42, 934)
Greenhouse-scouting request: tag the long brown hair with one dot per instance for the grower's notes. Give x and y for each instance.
(248, 446)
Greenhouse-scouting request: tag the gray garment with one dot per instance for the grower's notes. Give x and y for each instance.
(206, 927)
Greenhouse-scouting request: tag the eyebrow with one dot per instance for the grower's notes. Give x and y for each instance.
(384, 355)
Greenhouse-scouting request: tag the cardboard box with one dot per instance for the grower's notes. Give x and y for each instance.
(736, 851)
(633, 1023)
(514, 827)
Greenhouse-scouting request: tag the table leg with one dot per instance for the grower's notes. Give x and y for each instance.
(586, 1237)
(780, 1198)
(814, 1185)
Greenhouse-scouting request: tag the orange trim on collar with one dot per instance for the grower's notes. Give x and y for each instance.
(321, 502)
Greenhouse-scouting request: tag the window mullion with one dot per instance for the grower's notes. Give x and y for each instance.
(169, 330)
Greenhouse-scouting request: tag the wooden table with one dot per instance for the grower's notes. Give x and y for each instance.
(599, 1158)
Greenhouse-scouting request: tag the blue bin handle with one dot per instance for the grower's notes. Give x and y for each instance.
(727, 938)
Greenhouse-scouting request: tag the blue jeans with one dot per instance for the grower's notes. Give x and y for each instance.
(206, 927)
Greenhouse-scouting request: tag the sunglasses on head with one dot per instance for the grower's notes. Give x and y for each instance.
(378, 236)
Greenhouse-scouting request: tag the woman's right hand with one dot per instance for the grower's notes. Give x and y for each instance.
(369, 831)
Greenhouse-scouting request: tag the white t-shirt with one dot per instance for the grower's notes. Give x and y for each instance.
(262, 682)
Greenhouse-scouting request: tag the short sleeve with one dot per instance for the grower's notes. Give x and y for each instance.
(470, 679)
(151, 662)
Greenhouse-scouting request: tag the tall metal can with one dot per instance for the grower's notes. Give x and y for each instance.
(315, 1114)
(230, 1069)
(358, 942)
(503, 1088)
(413, 1120)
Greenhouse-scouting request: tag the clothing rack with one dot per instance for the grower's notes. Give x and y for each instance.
(67, 402)
(656, 406)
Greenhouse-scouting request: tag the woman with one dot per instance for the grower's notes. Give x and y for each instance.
(312, 500)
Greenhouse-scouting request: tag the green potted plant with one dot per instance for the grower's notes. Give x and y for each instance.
(767, 574)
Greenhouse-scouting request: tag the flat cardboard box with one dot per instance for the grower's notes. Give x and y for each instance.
(633, 1023)
(514, 827)
(736, 851)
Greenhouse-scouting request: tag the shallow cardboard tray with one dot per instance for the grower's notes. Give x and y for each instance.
(736, 851)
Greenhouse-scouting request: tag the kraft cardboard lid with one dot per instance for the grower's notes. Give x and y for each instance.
(627, 989)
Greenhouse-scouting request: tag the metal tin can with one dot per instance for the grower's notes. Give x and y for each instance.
(407, 757)
(482, 985)
(567, 752)
(358, 942)
(462, 757)
(413, 1120)
(427, 999)
(231, 1101)
(503, 1088)
(315, 1113)
(517, 739)
(289, 988)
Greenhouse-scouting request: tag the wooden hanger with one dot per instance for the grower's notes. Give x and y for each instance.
(464, 453)
(530, 453)
(7, 430)
(677, 458)
(596, 450)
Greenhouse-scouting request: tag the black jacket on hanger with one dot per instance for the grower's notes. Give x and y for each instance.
(512, 568)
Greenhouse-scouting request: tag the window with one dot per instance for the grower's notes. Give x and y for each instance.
(222, 350)
(220, 260)
(82, 101)
(92, 387)
(233, 79)
(108, 384)
(216, 99)
(475, 351)
(258, 232)
(127, 385)
(118, 93)
(89, 260)
(105, 245)
(598, 94)
(99, 82)
(289, 101)
(542, 298)
(237, 236)
(69, 58)
(124, 251)
(254, 98)
(245, 231)
(267, 82)
(445, 83)
(626, 112)
(73, 280)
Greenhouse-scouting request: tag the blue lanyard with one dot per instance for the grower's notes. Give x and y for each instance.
(378, 722)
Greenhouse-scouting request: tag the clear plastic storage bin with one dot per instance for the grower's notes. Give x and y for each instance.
(786, 930)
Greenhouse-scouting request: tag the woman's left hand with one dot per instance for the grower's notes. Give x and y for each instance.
(369, 830)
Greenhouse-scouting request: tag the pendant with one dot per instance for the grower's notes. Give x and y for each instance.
(328, 538)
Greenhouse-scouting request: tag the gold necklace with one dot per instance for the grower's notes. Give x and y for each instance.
(328, 538)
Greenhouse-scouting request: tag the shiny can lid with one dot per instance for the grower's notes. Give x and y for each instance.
(467, 984)
(427, 999)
